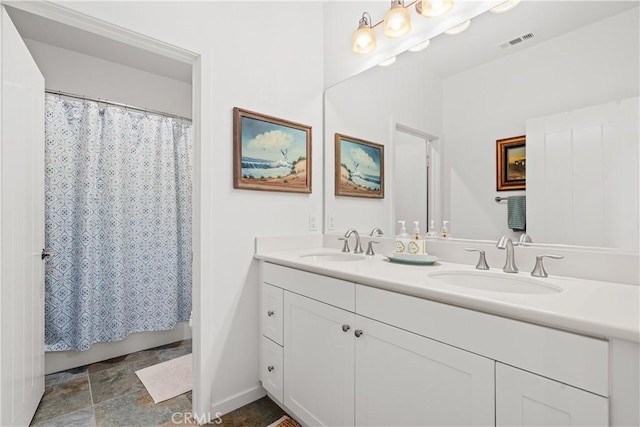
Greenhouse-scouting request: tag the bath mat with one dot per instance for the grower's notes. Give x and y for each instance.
(285, 422)
(167, 379)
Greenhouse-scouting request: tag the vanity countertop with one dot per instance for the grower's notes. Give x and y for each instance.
(594, 308)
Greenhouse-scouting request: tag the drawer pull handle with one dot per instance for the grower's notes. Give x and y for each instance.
(358, 333)
(270, 313)
(270, 368)
(345, 328)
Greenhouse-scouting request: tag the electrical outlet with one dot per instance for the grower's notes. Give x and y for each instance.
(313, 226)
(331, 223)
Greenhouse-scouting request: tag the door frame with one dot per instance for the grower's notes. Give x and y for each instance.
(63, 15)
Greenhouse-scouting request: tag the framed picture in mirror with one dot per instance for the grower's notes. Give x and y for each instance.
(511, 163)
(270, 154)
(359, 167)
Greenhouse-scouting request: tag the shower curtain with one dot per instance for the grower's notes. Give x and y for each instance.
(118, 220)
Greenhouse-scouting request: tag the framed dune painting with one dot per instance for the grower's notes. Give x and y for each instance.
(359, 167)
(511, 163)
(270, 154)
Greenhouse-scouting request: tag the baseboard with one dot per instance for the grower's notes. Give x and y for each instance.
(63, 360)
(234, 402)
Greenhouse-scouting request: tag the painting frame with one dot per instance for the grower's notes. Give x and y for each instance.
(347, 187)
(268, 171)
(511, 163)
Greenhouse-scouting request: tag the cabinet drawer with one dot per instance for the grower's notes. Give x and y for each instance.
(271, 368)
(271, 313)
(526, 399)
(336, 292)
(570, 358)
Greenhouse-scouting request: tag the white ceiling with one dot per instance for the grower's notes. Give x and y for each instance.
(47, 31)
(448, 55)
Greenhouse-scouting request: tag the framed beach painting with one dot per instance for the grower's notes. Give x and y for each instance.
(270, 154)
(359, 167)
(511, 163)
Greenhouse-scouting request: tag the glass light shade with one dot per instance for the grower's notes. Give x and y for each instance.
(458, 28)
(397, 21)
(388, 62)
(420, 47)
(434, 8)
(504, 6)
(363, 40)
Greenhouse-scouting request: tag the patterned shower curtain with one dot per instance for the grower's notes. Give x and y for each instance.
(118, 220)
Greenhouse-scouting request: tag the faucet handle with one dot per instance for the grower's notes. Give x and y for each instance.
(482, 261)
(538, 270)
(345, 248)
(370, 247)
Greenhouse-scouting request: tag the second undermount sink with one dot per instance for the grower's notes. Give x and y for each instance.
(333, 257)
(496, 282)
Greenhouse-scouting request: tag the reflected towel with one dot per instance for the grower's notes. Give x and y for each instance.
(517, 213)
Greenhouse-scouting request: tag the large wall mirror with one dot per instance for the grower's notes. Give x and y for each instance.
(563, 73)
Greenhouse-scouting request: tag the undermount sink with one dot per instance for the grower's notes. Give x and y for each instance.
(496, 282)
(333, 257)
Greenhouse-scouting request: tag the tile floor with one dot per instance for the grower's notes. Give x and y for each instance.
(109, 393)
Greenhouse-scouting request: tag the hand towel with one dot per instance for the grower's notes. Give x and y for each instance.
(517, 213)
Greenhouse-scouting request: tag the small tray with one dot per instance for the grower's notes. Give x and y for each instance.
(422, 260)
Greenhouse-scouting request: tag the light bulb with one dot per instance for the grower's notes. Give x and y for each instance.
(397, 21)
(504, 6)
(433, 8)
(387, 62)
(420, 47)
(458, 28)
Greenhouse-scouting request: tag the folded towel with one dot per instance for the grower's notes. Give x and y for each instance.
(517, 213)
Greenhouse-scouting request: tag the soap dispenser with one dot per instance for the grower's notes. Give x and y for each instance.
(402, 239)
(416, 230)
(444, 232)
(432, 230)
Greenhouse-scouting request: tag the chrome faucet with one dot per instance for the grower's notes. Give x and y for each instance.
(358, 248)
(374, 233)
(510, 263)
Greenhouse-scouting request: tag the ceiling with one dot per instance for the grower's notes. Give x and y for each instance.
(54, 33)
(448, 55)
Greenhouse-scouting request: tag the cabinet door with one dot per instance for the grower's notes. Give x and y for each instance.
(318, 361)
(526, 399)
(404, 379)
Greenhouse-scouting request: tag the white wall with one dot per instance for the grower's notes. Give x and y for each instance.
(367, 106)
(592, 65)
(80, 74)
(265, 57)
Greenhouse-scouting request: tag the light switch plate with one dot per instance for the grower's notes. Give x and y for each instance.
(313, 223)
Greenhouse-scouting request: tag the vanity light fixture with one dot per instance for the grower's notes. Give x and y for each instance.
(505, 6)
(420, 46)
(397, 21)
(433, 8)
(364, 38)
(457, 29)
(388, 62)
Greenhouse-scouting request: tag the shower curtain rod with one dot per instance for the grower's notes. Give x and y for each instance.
(117, 104)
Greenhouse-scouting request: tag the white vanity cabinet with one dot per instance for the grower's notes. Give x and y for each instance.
(318, 355)
(526, 399)
(404, 379)
(358, 355)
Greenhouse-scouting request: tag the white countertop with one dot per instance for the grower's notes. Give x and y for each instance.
(598, 309)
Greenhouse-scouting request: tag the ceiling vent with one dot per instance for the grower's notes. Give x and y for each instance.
(516, 41)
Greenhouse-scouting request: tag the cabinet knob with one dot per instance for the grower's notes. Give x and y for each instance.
(345, 328)
(270, 368)
(270, 313)
(358, 333)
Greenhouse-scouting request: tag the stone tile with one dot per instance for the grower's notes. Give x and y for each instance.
(137, 409)
(114, 382)
(172, 353)
(260, 413)
(64, 376)
(81, 418)
(121, 360)
(189, 395)
(64, 398)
